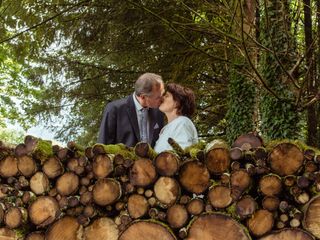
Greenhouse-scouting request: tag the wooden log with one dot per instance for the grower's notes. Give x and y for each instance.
(76, 165)
(63, 154)
(194, 176)
(311, 167)
(288, 234)
(40, 149)
(89, 153)
(167, 163)
(67, 184)
(289, 180)
(102, 165)
(20, 150)
(141, 230)
(89, 211)
(167, 190)
(236, 153)
(52, 167)
(260, 223)
(220, 196)
(144, 150)
(8, 234)
(8, 167)
(76, 148)
(222, 227)
(39, 183)
(138, 206)
(66, 228)
(142, 173)
(303, 181)
(195, 206)
(106, 191)
(260, 153)
(245, 207)
(35, 236)
(240, 181)
(248, 141)
(43, 211)
(177, 216)
(270, 185)
(26, 165)
(285, 159)
(102, 228)
(309, 154)
(311, 218)
(14, 217)
(2, 210)
(270, 203)
(86, 198)
(217, 157)
(113, 149)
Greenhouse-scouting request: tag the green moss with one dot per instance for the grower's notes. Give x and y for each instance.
(117, 149)
(43, 150)
(300, 144)
(216, 143)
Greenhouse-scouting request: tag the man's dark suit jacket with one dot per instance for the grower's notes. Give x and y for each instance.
(120, 123)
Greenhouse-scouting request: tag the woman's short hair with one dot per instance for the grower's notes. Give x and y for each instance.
(184, 97)
(146, 82)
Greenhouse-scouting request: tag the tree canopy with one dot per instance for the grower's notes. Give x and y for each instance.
(63, 60)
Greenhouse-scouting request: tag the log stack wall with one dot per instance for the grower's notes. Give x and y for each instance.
(249, 190)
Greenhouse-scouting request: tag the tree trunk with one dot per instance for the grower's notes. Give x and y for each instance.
(102, 228)
(106, 191)
(67, 184)
(167, 190)
(167, 163)
(8, 167)
(260, 223)
(222, 227)
(142, 230)
(217, 157)
(220, 196)
(310, 76)
(288, 234)
(177, 216)
(35, 236)
(66, 228)
(27, 165)
(194, 176)
(142, 173)
(137, 206)
(285, 159)
(43, 211)
(312, 216)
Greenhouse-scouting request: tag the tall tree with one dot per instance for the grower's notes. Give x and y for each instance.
(279, 118)
(241, 105)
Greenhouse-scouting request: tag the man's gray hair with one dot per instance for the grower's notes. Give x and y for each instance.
(145, 83)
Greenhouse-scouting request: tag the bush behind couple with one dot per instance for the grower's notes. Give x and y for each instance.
(139, 117)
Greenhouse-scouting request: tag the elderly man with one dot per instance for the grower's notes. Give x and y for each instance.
(136, 117)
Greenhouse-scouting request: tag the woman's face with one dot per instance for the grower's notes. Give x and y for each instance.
(168, 104)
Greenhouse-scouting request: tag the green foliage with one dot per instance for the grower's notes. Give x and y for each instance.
(11, 136)
(279, 116)
(240, 106)
(61, 62)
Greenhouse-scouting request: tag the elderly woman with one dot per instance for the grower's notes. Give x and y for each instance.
(178, 105)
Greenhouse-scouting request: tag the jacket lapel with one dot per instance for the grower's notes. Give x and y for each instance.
(132, 115)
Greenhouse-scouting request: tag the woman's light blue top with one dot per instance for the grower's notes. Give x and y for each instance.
(181, 129)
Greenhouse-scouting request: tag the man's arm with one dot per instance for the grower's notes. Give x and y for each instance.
(108, 126)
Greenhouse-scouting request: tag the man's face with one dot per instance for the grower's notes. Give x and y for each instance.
(154, 100)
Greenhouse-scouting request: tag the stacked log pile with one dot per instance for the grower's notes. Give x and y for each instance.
(208, 191)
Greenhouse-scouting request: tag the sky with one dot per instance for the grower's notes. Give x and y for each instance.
(40, 131)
